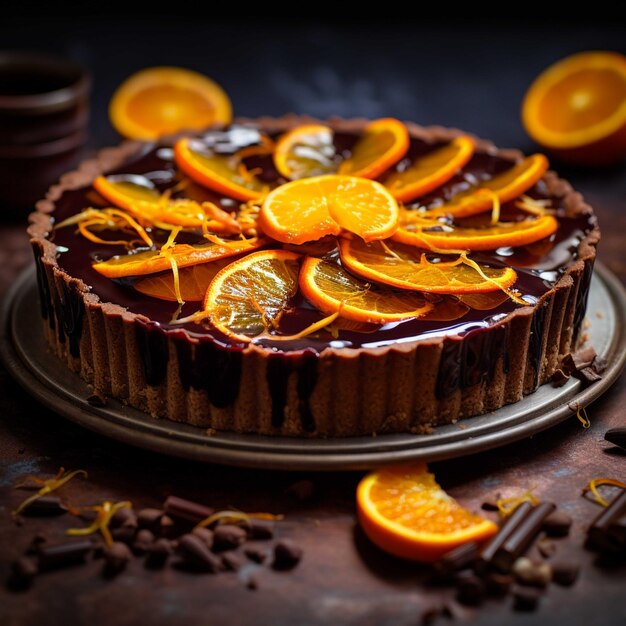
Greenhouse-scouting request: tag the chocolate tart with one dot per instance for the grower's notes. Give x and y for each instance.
(401, 377)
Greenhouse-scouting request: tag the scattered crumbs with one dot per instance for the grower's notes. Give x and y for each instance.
(599, 315)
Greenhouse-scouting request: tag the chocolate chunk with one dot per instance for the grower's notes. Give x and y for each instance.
(23, 572)
(559, 378)
(149, 518)
(490, 505)
(124, 517)
(205, 534)
(45, 506)
(227, 537)
(261, 529)
(616, 436)
(546, 548)
(232, 561)
(498, 585)
(125, 534)
(588, 375)
(458, 559)
(528, 572)
(116, 558)
(158, 553)
(287, 554)
(565, 572)
(195, 554)
(144, 540)
(258, 554)
(179, 508)
(470, 589)
(526, 598)
(599, 535)
(64, 554)
(167, 526)
(301, 490)
(582, 358)
(598, 365)
(557, 524)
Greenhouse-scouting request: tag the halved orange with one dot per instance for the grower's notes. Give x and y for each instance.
(311, 208)
(405, 512)
(407, 267)
(331, 289)
(577, 108)
(305, 151)
(248, 296)
(430, 171)
(184, 255)
(224, 174)
(500, 235)
(193, 282)
(507, 185)
(161, 100)
(383, 143)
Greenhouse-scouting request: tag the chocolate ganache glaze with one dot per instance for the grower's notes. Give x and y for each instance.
(463, 363)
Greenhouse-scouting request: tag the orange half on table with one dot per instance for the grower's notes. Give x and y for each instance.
(161, 100)
(577, 108)
(405, 512)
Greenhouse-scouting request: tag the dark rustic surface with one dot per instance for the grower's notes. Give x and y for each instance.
(342, 579)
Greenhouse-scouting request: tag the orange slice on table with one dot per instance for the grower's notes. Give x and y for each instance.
(161, 100)
(407, 267)
(577, 108)
(306, 151)
(383, 143)
(311, 208)
(184, 255)
(405, 512)
(331, 289)
(506, 186)
(500, 235)
(225, 174)
(248, 297)
(430, 171)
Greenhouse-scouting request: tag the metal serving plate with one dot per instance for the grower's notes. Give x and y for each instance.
(26, 355)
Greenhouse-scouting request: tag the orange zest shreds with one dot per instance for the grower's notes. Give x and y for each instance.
(513, 295)
(220, 173)
(506, 506)
(405, 512)
(309, 330)
(331, 289)
(593, 485)
(230, 517)
(406, 267)
(306, 151)
(534, 206)
(430, 171)
(507, 185)
(151, 262)
(248, 296)
(495, 210)
(581, 415)
(46, 486)
(161, 100)
(383, 143)
(104, 513)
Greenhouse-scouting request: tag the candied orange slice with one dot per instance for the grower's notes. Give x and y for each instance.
(331, 289)
(193, 282)
(506, 186)
(161, 100)
(405, 512)
(306, 151)
(311, 208)
(500, 235)
(123, 191)
(248, 297)
(577, 108)
(407, 267)
(184, 255)
(430, 171)
(224, 174)
(383, 143)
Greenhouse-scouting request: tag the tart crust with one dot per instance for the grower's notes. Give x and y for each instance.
(343, 392)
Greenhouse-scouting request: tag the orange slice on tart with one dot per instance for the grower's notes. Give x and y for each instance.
(406, 267)
(577, 108)
(383, 143)
(184, 255)
(332, 290)
(161, 100)
(405, 512)
(226, 174)
(247, 298)
(305, 151)
(430, 171)
(311, 208)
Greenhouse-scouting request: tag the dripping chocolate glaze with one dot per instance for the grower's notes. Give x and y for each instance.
(538, 268)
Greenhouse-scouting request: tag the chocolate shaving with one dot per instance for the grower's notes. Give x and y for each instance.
(616, 436)
(186, 509)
